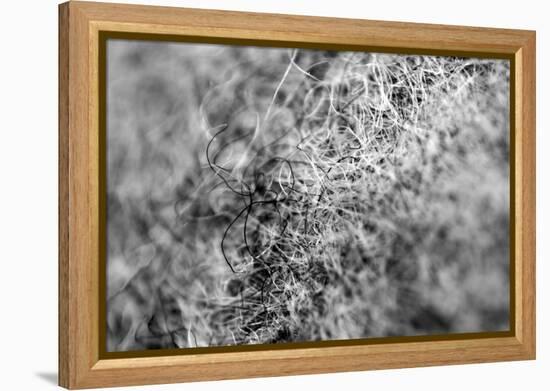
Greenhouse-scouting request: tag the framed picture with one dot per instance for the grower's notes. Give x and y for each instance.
(247, 195)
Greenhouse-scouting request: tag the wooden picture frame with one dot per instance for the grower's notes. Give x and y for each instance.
(82, 364)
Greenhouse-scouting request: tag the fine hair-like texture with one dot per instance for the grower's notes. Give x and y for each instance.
(260, 195)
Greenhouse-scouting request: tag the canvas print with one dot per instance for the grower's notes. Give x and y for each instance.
(260, 195)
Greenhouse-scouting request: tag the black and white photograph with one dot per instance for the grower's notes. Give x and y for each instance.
(267, 195)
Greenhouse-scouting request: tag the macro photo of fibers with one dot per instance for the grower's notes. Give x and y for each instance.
(260, 195)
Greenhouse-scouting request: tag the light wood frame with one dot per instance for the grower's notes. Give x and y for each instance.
(80, 362)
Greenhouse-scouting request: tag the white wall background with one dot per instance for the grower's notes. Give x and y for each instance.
(28, 195)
